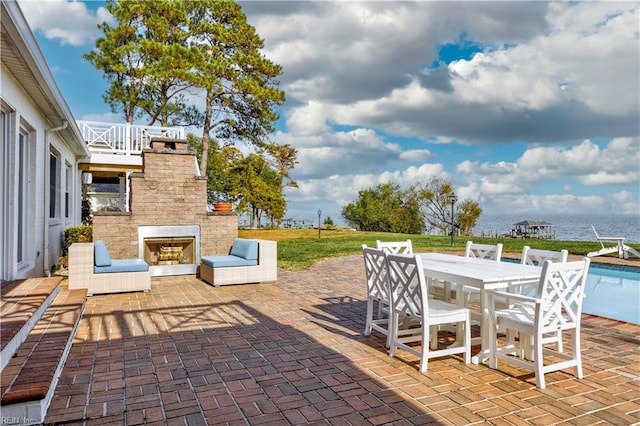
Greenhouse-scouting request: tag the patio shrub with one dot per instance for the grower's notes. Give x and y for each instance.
(74, 234)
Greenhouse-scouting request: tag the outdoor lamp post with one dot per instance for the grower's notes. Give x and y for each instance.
(452, 199)
(319, 214)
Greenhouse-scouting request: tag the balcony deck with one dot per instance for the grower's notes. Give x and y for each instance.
(121, 143)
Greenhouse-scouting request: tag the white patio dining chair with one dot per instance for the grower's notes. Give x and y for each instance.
(537, 257)
(479, 251)
(377, 291)
(557, 305)
(409, 298)
(395, 247)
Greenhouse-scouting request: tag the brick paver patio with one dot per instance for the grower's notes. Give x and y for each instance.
(293, 352)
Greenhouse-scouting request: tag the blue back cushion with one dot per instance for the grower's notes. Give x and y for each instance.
(246, 249)
(101, 254)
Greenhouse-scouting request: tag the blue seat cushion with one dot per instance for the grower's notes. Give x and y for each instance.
(123, 265)
(101, 254)
(244, 248)
(227, 261)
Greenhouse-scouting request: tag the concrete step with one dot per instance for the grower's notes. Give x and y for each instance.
(22, 303)
(29, 379)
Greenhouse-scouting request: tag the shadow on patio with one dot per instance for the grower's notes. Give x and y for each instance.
(293, 352)
(210, 363)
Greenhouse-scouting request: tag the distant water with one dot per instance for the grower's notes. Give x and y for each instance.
(567, 227)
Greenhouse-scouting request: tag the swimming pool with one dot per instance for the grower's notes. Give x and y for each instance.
(613, 292)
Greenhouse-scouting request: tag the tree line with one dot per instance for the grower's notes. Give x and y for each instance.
(421, 208)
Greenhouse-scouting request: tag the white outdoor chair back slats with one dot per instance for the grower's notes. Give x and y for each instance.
(377, 291)
(479, 251)
(537, 257)
(561, 296)
(483, 251)
(409, 299)
(395, 247)
(376, 273)
(409, 296)
(557, 306)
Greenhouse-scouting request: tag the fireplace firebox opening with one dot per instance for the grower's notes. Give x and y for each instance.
(170, 250)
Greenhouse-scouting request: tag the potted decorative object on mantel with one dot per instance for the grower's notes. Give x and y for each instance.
(220, 201)
(222, 207)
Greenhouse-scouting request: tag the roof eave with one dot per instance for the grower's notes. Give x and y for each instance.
(57, 111)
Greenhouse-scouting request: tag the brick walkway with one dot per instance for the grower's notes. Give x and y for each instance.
(293, 352)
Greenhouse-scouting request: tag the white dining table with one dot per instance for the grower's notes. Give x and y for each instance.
(481, 274)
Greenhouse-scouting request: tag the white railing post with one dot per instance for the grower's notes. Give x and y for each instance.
(128, 139)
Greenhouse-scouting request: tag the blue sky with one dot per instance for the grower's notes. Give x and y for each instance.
(528, 107)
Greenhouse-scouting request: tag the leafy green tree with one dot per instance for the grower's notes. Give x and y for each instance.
(468, 213)
(223, 179)
(261, 189)
(433, 198)
(254, 183)
(159, 52)
(144, 58)
(222, 184)
(284, 160)
(239, 81)
(407, 219)
(385, 208)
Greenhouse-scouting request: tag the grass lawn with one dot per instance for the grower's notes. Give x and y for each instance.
(301, 248)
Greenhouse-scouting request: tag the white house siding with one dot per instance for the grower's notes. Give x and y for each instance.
(61, 222)
(44, 236)
(23, 115)
(30, 101)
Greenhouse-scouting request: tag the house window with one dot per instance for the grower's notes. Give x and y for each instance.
(54, 185)
(67, 192)
(22, 174)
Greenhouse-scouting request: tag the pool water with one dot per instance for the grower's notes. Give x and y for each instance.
(613, 292)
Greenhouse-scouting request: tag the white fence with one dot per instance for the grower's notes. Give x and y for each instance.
(127, 139)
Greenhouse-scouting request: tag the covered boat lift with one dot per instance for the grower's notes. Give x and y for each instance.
(538, 229)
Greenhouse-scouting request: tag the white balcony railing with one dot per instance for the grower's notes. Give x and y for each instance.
(123, 138)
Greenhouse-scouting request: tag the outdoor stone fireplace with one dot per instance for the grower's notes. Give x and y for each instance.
(170, 250)
(168, 224)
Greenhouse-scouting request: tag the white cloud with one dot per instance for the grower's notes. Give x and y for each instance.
(72, 23)
(340, 153)
(109, 117)
(308, 119)
(416, 155)
(548, 72)
(604, 178)
(617, 163)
